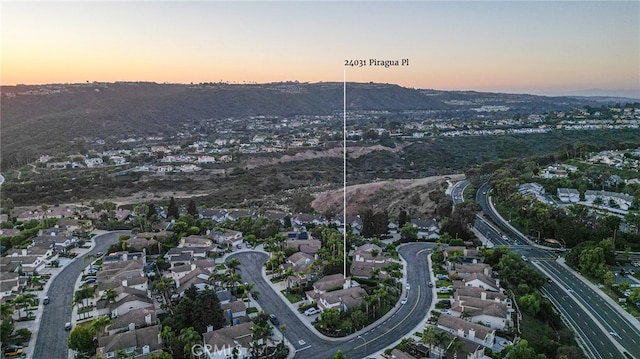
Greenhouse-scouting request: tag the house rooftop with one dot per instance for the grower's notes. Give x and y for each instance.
(230, 337)
(451, 322)
(329, 281)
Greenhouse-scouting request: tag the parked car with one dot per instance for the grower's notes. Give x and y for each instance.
(274, 320)
(12, 350)
(67, 326)
(311, 311)
(239, 246)
(45, 300)
(249, 245)
(403, 301)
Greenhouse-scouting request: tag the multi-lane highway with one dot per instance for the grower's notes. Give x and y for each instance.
(605, 332)
(380, 336)
(457, 191)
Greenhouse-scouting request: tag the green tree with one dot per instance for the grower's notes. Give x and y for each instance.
(98, 325)
(403, 218)
(455, 347)
(409, 232)
(530, 304)
(172, 210)
(6, 329)
(330, 318)
(189, 337)
(81, 340)
(522, 350)
(192, 209)
(339, 355)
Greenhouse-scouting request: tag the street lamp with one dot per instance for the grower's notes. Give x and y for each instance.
(365, 345)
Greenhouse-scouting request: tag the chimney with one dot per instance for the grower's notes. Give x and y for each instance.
(124, 283)
(147, 319)
(472, 334)
(132, 327)
(483, 295)
(209, 328)
(145, 349)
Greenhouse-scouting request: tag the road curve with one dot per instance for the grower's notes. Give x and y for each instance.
(579, 302)
(309, 346)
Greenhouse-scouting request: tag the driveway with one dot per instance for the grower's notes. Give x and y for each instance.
(402, 321)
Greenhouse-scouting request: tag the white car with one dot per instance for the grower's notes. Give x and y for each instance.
(408, 286)
(311, 311)
(403, 301)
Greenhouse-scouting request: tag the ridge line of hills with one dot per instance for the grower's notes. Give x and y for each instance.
(49, 117)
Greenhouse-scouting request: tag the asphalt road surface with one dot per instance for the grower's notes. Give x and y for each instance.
(310, 346)
(52, 338)
(577, 301)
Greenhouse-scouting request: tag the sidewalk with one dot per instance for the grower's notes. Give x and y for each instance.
(608, 299)
(308, 321)
(561, 261)
(34, 326)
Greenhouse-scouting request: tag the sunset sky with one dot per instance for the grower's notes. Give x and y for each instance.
(534, 47)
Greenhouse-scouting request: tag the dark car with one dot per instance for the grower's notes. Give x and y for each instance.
(45, 300)
(274, 320)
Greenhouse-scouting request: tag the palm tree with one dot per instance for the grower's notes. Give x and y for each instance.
(165, 286)
(109, 295)
(98, 325)
(22, 301)
(233, 264)
(248, 290)
(440, 339)
(288, 273)
(454, 347)
(429, 337)
(283, 328)
(6, 311)
(189, 337)
(83, 293)
(141, 212)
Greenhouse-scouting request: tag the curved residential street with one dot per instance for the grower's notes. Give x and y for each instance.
(402, 321)
(51, 337)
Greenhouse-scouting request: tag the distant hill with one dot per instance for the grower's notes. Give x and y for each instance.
(50, 117)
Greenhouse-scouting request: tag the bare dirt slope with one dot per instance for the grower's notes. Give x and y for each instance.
(336, 152)
(392, 196)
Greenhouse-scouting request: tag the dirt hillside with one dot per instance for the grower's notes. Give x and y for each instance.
(394, 195)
